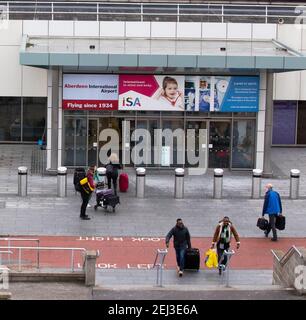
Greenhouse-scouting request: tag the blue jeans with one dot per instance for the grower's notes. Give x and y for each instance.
(180, 257)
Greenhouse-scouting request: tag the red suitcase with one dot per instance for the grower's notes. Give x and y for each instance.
(123, 182)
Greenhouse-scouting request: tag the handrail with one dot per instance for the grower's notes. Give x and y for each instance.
(46, 248)
(287, 255)
(153, 9)
(20, 239)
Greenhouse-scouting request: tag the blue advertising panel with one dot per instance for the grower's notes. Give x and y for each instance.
(236, 94)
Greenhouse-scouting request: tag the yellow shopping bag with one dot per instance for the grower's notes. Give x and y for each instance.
(211, 259)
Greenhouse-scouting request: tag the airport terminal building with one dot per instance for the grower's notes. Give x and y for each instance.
(233, 88)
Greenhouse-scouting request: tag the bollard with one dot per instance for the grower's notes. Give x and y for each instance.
(90, 267)
(218, 183)
(294, 183)
(179, 183)
(256, 183)
(22, 181)
(62, 182)
(140, 182)
(101, 174)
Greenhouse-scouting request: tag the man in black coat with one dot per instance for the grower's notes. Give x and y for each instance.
(181, 241)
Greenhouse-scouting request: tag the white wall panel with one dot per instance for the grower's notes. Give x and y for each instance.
(61, 28)
(34, 82)
(290, 35)
(264, 31)
(214, 30)
(163, 29)
(35, 27)
(287, 86)
(239, 31)
(112, 29)
(138, 29)
(10, 75)
(12, 34)
(189, 30)
(86, 28)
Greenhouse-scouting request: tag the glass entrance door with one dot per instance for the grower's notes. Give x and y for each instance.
(196, 144)
(92, 149)
(219, 144)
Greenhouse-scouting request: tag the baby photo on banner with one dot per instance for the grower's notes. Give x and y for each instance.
(151, 93)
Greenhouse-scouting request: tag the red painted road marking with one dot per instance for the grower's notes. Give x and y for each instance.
(139, 252)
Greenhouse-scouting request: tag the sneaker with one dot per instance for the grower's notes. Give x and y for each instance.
(180, 273)
(89, 205)
(274, 239)
(266, 234)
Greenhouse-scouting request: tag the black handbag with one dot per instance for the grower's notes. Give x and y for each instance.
(262, 224)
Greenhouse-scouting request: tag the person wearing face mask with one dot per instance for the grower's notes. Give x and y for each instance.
(181, 241)
(222, 239)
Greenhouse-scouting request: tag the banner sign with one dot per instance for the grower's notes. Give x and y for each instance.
(161, 93)
(90, 92)
(150, 92)
(222, 94)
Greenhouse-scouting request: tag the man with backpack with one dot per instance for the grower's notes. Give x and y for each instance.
(112, 171)
(86, 186)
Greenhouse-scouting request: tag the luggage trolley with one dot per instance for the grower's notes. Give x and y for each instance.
(225, 267)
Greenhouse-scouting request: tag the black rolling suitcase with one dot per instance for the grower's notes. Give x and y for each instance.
(262, 224)
(280, 222)
(192, 259)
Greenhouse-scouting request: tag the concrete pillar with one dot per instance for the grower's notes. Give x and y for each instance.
(140, 182)
(267, 168)
(179, 183)
(294, 183)
(62, 182)
(218, 183)
(22, 181)
(256, 183)
(90, 267)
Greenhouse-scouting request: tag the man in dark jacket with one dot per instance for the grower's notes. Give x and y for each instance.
(273, 207)
(181, 241)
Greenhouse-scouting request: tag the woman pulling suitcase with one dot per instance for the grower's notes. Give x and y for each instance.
(112, 171)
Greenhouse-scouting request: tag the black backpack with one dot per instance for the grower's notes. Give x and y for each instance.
(79, 174)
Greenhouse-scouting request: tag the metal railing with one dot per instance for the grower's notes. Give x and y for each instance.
(20, 249)
(158, 263)
(287, 255)
(9, 240)
(100, 11)
(226, 267)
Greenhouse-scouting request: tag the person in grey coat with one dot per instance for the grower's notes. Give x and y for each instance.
(181, 241)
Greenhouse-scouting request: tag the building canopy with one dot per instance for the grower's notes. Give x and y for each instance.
(175, 55)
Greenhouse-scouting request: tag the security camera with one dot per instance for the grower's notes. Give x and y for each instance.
(281, 21)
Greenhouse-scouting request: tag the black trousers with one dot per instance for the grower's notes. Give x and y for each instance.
(113, 178)
(220, 253)
(271, 226)
(85, 199)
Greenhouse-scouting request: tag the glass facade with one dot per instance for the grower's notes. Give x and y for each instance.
(23, 119)
(226, 142)
(289, 123)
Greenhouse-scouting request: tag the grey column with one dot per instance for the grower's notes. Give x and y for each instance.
(256, 183)
(179, 183)
(101, 174)
(140, 182)
(90, 267)
(62, 182)
(22, 181)
(267, 167)
(294, 183)
(218, 183)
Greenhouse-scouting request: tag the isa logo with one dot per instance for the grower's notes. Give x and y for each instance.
(131, 102)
